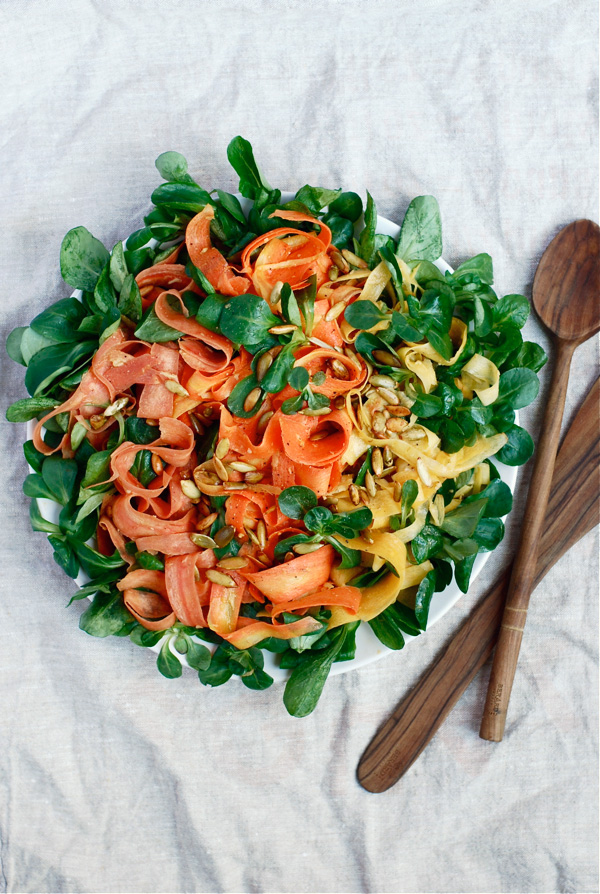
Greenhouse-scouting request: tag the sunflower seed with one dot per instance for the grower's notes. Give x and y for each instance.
(261, 533)
(263, 421)
(334, 312)
(367, 537)
(196, 575)
(253, 477)
(303, 549)
(190, 490)
(424, 473)
(224, 536)
(378, 423)
(252, 400)
(377, 461)
(116, 406)
(397, 491)
(222, 448)
(322, 411)
(233, 485)
(220, 469)
(388, 456)
(319, 435)
(388, 395)
(399, 411)
(333, 273)
(242, 467)
(339, 260)
(283, 330)
(370, 485)
(288, 557)
(151, 421)
(263, 365)
(354, 259)
(207, 522)
(352, 356)
(383, 381)
(232, 563)
(396, 425)
(203, 540)
(340, 371)
(387, 359)
(217, 577)
(354, 494)
(176, 388)
(208, 412)
(340, 402)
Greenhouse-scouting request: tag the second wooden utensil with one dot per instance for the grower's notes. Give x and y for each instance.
(565, 296)
(573, 510)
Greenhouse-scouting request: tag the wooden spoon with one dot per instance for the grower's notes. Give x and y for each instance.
(566, 291)
(573, 510)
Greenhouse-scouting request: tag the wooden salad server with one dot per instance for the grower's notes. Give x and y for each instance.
(566, 293)
(573, 510)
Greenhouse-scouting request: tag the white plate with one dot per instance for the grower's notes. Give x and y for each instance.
(368, 647)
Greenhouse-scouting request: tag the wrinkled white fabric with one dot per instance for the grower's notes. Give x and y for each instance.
(114, 779)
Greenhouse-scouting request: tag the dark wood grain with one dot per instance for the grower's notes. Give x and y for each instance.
(565, 295)
(573, 510)
(557, 292)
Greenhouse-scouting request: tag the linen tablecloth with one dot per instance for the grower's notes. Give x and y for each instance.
(113, 778)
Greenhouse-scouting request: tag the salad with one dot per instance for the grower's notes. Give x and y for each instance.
(266, 423)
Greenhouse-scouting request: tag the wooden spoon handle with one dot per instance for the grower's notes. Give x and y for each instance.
(524, 567)
(573, 510)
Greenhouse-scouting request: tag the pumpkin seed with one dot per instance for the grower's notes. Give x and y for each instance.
(263, 421)
(322, 411)
(207, 522)
(203, 540)
(304, 549)
(197, 426)
(261, 533)
(275, 293)
(220, 469)
(190, 490)
(370, 485)
(251, 535)
(242, 467)
(116, 406)
(252, 399)
(263, 365)
(387, 359)
(217, 577)
(377, 461)
(176, 387)
(233, 563)
(222, 448)
(224, 536)
(253, 477)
